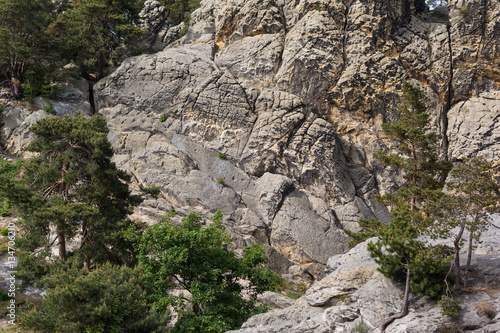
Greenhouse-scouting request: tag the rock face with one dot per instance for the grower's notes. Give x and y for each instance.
(294, 93)
(354, 292)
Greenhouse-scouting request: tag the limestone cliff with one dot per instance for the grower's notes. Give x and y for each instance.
(294, 93)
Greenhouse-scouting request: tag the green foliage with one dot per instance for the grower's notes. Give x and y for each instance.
(449, 306)
(417, 155)
(108, 299)
(38, 82)
(152, 190)
(25, 45)
(49, 108)
(89, 30)
(197, 259)
(398, 250)
(294, 292)
(179, 10)
(4, 296)
(469, 200)
(371, 228)
(220, 181)
(361, 326)
(345, 298)
(4, 232)
(222, 156)
(163, 118)
(71, 187)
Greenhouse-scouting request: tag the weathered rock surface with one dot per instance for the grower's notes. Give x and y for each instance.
(353, 290)
(294, 92)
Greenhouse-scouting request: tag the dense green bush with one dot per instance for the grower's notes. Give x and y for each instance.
(108, 299)
(197, 259)
(449, 306)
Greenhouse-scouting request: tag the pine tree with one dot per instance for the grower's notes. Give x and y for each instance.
(398, 251)
(24, 43)
(179, 10)
(107, 299)
(73, 189)
(91, 29)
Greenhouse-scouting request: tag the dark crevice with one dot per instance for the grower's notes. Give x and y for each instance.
(289, 190)
(344, 42)
(448, 102)
(93, 109)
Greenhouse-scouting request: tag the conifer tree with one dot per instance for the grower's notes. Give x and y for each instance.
(179, 10)
(398, 251)
(73, 189)
(90, 29)
(22, 38)
(107, 299)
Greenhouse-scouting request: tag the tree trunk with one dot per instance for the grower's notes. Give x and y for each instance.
(60, 234)
(469, 259)
(62, 246)
(457, 269)
(456, 258)
(100, 64)
(404, 308)
(15, 82)
(86, 241)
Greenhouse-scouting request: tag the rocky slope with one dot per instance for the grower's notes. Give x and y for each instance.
(294, 93)
(354, 294)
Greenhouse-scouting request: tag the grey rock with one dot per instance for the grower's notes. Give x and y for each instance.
(275, 300)
(367, 294)
(473, 128)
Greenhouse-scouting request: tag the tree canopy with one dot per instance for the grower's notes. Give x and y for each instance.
(71, 189)
(89, 30)
(108, 299)
(198, 260)
(23, 40)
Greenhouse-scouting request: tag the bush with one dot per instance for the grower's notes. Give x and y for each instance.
(222, 156)
(5, 212)
(49, 108)
(295, 292)
(220, 181)
(4, 296)
(108, 299)
(4, 232)
(152, 190)
(486, 309)
(163, 118)
(449, 306)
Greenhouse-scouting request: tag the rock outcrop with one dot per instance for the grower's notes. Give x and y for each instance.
(354, 294)
(294, 93)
